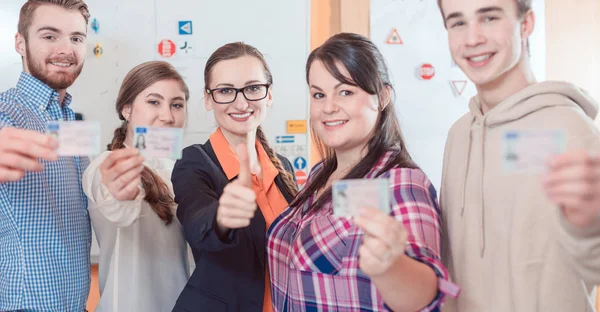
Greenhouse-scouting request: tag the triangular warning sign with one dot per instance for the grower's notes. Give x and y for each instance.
(394, 38)
(459, 86)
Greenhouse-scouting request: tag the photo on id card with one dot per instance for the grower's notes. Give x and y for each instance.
(349, 196)
(156, 142)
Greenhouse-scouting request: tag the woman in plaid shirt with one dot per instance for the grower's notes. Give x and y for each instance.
(373, 262)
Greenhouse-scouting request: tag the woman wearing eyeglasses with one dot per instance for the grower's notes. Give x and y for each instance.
(231, 188)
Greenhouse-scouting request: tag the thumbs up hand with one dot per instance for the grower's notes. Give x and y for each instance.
(237, 205)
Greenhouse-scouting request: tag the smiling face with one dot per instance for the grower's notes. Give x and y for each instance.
(343, 116)
(488, 38)
(54, 48)
(162, 104)
(243, 115)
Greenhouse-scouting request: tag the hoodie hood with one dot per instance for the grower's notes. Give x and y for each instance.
(529, 100)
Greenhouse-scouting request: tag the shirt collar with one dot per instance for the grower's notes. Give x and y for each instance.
(230, 163)
(39, 94)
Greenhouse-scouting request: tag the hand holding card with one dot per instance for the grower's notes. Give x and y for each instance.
(383, 243)
(20, 150)
(573, 183)
(122, 173)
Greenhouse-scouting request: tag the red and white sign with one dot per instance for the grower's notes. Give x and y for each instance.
(166, 48)
(301, 177)
(459, 86)
(394, 37)
(427, 71)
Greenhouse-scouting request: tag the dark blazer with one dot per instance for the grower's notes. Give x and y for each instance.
(230, 273)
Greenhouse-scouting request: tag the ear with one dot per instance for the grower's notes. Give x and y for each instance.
(527, 25)
(386, 96)
(208, 105)
(270, 97)
(20, 45)
(126, 111)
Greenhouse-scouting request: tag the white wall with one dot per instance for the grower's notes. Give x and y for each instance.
(427, 109)
(130, 31)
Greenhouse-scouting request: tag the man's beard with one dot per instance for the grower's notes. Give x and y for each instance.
(55, 80)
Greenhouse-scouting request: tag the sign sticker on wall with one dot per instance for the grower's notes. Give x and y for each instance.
(95, 25)
(166, 48)
(284, 139)
(300, 163)
(459, 86)
(185, 27)
(301, 177)
(98, 50)
(296, 126)
(426, 71)
(394, 37)
(185, 47)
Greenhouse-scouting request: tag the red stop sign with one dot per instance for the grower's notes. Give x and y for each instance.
(427, 71)
(166, 48)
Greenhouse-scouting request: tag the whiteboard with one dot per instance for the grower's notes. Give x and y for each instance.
(129, 33)
(428, 108)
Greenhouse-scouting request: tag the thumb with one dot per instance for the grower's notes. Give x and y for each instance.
(245, 177)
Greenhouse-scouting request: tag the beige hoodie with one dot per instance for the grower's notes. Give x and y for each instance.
(505, 243)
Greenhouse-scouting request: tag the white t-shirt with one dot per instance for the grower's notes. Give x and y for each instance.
(143, 263)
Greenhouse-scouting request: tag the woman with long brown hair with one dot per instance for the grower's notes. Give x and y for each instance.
(143, 253)
(225, 220)
(373, 261)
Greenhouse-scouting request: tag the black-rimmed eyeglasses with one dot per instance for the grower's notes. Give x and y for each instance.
(228, 95)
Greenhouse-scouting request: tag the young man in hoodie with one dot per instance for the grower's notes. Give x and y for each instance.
(516, 241)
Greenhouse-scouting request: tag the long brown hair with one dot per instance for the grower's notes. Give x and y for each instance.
(236, 50)
(369, 72)
(137, 80)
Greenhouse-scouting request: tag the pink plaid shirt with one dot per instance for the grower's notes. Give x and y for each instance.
(313, 258)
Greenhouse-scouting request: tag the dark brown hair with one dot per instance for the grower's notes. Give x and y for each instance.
(28, 10)
(236, 50)
(368, 71)
(137, 80)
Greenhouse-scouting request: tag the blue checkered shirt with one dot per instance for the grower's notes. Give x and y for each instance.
(45, 233)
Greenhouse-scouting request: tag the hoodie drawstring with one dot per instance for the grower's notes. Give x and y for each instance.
(482, 204)
(464, 181)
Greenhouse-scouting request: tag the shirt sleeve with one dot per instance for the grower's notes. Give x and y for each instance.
(121, 213)
(414, 203)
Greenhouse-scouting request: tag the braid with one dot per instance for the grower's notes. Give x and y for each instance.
(158, 195)
(118, 140)
(290, 185)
